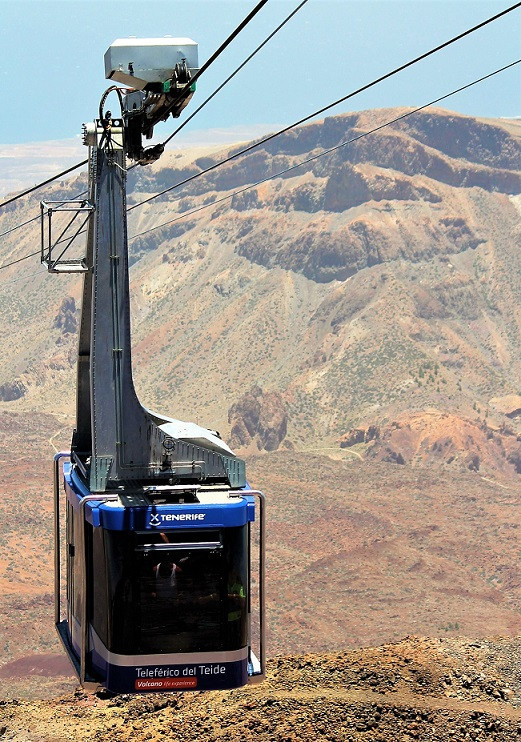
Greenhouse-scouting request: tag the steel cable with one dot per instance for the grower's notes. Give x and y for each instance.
(325, 152)
(362, 89)
(239, 68)
(307, 118)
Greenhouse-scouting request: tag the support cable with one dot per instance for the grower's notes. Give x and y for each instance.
(303, 162)
(325, 152)
(239, 68)
(218, 52)
(19, 226)
(40, 185)
(25, 276)
(291, 126)
(203, 104)
(19, 260)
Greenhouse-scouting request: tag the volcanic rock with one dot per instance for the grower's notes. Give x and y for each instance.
(258, 417)
(436, 690)
(12, 390)
(359, 435)
(67, 319)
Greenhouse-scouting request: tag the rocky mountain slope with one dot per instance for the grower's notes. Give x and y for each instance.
(376, 281)
(352, 326)
(444, 690)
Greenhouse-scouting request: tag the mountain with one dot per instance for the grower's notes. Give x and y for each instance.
(351, 326)
(373, 282)
(24, 164)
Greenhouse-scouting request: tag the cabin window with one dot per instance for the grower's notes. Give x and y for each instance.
(175, 592)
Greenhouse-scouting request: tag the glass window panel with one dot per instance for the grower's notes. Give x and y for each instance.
(191, 597)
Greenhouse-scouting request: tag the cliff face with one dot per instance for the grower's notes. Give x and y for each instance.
(383, 170)
(259, 419)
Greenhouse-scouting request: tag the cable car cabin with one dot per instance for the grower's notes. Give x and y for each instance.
(159, 514)
(159, 587)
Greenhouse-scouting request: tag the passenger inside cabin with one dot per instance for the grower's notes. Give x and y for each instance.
(165, 574)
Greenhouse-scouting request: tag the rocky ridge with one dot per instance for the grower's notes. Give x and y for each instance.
(258, 421)
(440, 439)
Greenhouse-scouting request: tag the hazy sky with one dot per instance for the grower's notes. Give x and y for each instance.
(52, 74)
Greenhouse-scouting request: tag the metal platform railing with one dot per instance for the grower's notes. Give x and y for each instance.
(53, 251)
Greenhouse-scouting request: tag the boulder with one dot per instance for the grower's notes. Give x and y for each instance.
(258, 418)
(12, 390)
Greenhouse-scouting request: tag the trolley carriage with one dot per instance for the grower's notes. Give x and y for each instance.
(159, 516)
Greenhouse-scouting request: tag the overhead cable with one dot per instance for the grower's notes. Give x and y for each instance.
(40, 185)
(304, 162)
(307, 118)
(225, 43)
(19, 226)
(365, 87)
(239, 68)
(25, 276)
(203, 104)
(325, 152)
(297, 123)
(19, 260)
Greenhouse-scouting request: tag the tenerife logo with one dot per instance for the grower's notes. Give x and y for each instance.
(160, 519)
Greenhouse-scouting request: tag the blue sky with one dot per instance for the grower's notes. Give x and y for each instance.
(52, 75)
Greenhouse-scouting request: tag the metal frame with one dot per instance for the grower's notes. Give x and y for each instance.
(259, 676)
(83, 618)
(100, 497)
(57, 265)
(57, 567)
(57, 536)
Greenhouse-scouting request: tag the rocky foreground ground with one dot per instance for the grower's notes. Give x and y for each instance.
(434, 690)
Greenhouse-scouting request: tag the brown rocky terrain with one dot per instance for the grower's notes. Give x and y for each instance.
(258, 421)
(359, 553)
(441, 439)
(445, 690)
(353, 328)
